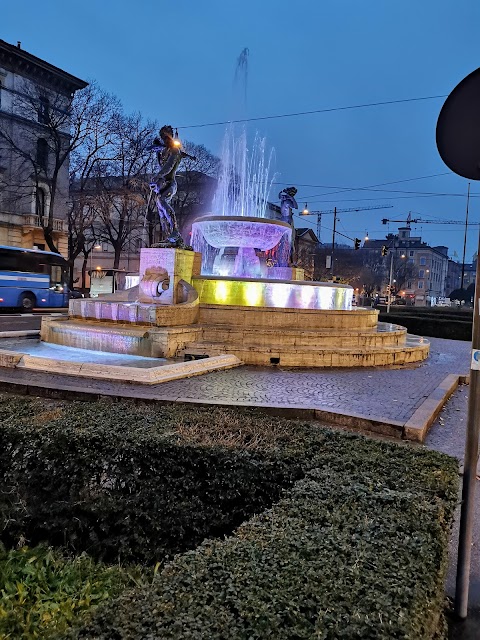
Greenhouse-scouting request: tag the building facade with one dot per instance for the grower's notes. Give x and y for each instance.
(419, 271)
(30, 90)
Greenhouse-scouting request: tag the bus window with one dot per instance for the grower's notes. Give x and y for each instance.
(56, 276)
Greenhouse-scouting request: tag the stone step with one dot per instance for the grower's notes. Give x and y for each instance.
(414, 350)
(384, 334)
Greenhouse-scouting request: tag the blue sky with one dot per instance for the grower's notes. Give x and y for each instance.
(175, 62)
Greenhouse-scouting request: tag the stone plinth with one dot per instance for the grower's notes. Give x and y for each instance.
(161, 271)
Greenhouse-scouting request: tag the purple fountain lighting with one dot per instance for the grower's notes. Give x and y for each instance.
(230, 239)
(213, 235)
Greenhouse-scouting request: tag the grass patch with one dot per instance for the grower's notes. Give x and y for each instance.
(44, 592)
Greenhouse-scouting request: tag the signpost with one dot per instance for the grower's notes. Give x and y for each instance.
(458, 142)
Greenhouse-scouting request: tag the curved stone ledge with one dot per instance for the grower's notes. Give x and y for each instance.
(301, 319)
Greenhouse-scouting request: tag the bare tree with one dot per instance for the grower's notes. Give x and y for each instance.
(348, 264)
(96, 148)
(402, 271)
(197, 180)
(118, 197)
(55, 126)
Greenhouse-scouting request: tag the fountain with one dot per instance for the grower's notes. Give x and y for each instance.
(227, 297)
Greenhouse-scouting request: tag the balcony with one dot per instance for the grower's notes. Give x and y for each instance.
(32, 221)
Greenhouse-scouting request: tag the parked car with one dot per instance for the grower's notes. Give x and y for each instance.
(75, 293)
(400, 301)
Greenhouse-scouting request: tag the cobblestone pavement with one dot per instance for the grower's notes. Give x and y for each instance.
(377, 393)
(448, 435)
(389, 394)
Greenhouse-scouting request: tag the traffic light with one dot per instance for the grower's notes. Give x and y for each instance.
(357, 243)
(384, 250)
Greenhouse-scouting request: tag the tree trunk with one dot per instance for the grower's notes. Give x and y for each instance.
(84, 272)
(116, 260)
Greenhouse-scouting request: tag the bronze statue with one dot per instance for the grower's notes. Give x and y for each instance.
(169, 155)
(287, 203)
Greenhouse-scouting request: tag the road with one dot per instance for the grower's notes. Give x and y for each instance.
(11, 321)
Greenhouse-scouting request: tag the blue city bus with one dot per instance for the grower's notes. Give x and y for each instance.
(31, 278)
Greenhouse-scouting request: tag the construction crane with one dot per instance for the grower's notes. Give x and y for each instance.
(319, 214)
(411, 220)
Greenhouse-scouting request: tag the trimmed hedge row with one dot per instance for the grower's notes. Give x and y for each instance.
(431, 325)
(355, 547)
(358, 549)
(137, 484)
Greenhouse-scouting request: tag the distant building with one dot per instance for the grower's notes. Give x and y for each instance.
(24, 197)
(470, 273)
(454, 277)
(424, 273)
(306, 245)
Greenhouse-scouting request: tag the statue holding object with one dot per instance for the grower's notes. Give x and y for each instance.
(169, 155)
(287, 204)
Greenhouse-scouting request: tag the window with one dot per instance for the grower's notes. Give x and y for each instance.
(421, 273)
(409, 284)
(43, 110)
(423, 261)
(56, 276)
(420, 284)
(411, 254)
(42, 154)
(40, 202)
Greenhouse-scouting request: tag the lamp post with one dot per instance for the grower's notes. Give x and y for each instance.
(390, 279)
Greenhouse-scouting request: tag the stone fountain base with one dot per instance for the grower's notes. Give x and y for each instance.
(264, 322)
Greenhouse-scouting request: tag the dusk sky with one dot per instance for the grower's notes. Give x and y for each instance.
(175, 62)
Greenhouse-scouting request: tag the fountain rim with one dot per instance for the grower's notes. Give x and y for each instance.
(256, 219)
(303, 283)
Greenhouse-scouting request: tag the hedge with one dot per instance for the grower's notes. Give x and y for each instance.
(358, 549)
(138, 484)
(349, 540)
(434, 326)
(44, 592)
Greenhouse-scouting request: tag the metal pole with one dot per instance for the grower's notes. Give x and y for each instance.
(465, 238)
(333, 239)
(470, 463)
(390, 281)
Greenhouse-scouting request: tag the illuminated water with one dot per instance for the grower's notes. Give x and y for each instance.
(245, 180)
(74, 354)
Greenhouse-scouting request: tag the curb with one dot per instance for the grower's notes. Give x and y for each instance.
(418, 425)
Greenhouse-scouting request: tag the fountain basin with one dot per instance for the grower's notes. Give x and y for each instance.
(241, 231)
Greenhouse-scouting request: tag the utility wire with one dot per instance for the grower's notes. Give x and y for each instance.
(371, 186)
(307, 113)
